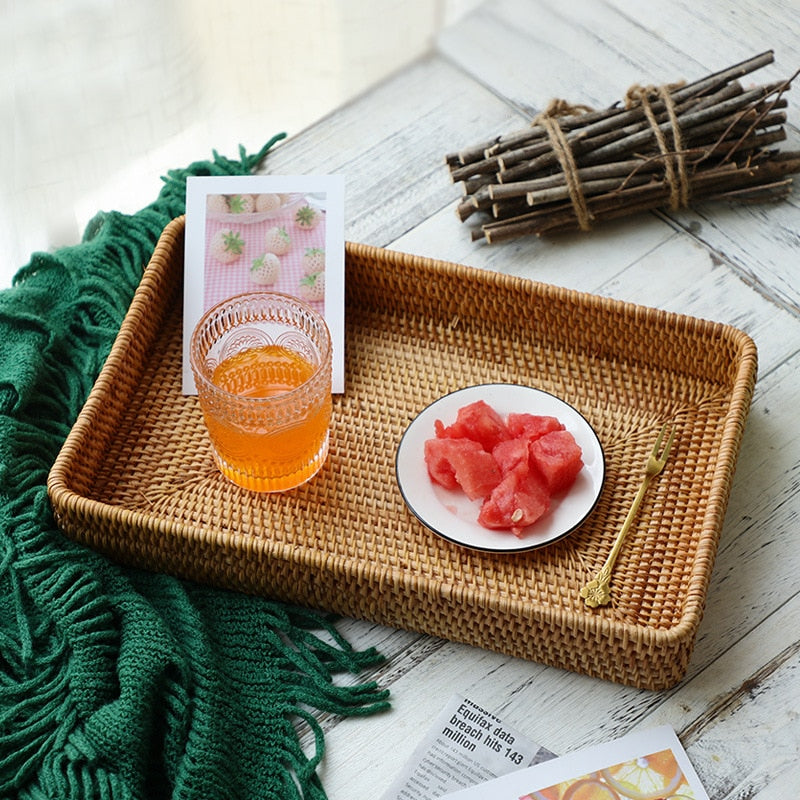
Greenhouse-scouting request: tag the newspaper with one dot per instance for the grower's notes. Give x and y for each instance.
(465, 746)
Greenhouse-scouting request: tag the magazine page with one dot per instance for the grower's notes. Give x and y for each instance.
(648, 765)
(464, 746)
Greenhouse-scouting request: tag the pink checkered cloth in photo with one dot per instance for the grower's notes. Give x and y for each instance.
(225, 280)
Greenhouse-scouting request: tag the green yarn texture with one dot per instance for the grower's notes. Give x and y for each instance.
(116, 682)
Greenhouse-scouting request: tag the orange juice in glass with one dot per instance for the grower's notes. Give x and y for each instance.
(262, 366)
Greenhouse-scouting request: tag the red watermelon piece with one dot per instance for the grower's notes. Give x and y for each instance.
(454, 463)
(514, 465)
(518, 501)
(531, 426)
(558, 457)
(437, 460)
(477, 421)
(511, 453)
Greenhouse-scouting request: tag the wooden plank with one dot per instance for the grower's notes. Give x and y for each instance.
(738, 718)
(728, 264)
(521, 691)
(641, 261)
(390, 146)
(733, 717)
(530, 51)
(626, 42)
(713, 33)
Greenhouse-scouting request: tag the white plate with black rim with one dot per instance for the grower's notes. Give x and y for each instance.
(453, 516)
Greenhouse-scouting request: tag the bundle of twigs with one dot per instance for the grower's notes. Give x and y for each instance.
(665, 147)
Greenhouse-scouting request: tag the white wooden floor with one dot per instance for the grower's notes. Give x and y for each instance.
(738, 710)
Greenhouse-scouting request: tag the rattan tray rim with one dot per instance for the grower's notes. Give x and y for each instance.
(63, 496)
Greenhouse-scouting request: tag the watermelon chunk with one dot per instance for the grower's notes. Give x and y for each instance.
(477, 421)
(532, 426)
(559, 459)
(437, 460)
(519, 500)
(511, 453)
(515, 466)
(454, 463)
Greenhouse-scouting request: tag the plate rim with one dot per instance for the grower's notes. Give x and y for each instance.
(522, 546)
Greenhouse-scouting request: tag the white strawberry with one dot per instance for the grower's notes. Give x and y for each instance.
(312, 287)
(266, 269)
(226, 246)
(313, 260)
(307, 217)
(277, 241)
(217, 203)
(241, 204)
(268, 202)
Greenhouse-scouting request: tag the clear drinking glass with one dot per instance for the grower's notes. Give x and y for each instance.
(262, 366)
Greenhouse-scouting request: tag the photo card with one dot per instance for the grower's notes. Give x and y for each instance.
(649, 765)
(275, 233)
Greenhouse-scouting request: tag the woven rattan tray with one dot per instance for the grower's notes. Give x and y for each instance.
(135, 478)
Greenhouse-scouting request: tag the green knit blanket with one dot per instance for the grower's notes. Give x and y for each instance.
(115, 682)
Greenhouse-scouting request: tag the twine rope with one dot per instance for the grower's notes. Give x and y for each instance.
(675, 172)
(548, 119)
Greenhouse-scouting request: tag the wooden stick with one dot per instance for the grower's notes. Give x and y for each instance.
(724, 182)
(618, 169)
(626, 123)
(587, 151)
(619, 157)
(501, 198)
(701, 87)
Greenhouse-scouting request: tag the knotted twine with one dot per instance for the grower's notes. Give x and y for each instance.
(675, 172)
(115, 682)
(548, 119)
(674, 160)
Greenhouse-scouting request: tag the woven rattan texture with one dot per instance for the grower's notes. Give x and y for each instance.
(136, 480)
